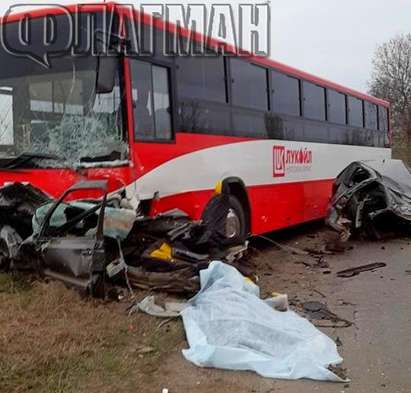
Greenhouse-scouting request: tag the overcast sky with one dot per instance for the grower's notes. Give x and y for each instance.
(333, 39)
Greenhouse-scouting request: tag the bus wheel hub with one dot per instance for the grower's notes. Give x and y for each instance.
(233, 225)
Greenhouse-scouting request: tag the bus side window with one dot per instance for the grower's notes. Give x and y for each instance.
(371, 116)
(314, 101)
(337, 110)
(285, 94)
(355, 112)
(151, 101)
(249, 85)
(383, 119)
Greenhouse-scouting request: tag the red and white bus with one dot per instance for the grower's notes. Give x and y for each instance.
(171, 131)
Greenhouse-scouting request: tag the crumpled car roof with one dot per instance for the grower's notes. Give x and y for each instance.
(370, 190)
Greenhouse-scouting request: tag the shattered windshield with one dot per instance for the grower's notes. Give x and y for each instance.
(55, 116)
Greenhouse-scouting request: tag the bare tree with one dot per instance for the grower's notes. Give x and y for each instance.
(391, 77)
(391, 80)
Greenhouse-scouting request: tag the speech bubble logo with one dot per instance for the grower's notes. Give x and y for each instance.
(37, 35)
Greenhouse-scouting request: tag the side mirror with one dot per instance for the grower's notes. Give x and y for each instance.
(106, 71)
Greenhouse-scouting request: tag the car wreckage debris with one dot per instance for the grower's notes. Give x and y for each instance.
(98, 245)
(18, 203)
(372, 199)
(355, 271)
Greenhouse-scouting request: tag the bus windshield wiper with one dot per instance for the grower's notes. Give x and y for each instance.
(26, 157)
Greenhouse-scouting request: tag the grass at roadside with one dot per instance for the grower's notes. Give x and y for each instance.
(53, 341)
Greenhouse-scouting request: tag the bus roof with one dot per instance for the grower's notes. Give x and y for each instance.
(162, 24)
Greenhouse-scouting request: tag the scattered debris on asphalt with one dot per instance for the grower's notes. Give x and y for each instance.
(333, 243)
(229, 326)
(372, 199)
(97, 245)
(318, 263)
(341, 372)
(355, 271)
(278, 301)
(319, 312)
(289, 249)
(316, 252)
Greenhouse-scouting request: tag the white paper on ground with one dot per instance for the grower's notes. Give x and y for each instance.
(170, 309)
(228, 326)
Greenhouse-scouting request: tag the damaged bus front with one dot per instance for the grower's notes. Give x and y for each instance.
(62, 118)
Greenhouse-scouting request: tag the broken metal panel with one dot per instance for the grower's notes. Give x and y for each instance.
(183, 281)
(79, 260)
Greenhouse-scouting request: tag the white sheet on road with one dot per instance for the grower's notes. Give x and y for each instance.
(228, 326)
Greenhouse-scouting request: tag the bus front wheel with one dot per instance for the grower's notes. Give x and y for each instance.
(236, 222)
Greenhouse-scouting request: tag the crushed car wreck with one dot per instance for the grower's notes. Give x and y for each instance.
(94, 245)
(372, 199)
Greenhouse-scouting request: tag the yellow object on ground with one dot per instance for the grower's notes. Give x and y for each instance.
(165, 253)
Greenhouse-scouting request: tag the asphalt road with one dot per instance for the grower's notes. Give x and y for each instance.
(377, 349)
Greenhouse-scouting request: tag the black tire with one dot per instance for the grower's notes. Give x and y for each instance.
(237, 208)
(4, 256)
